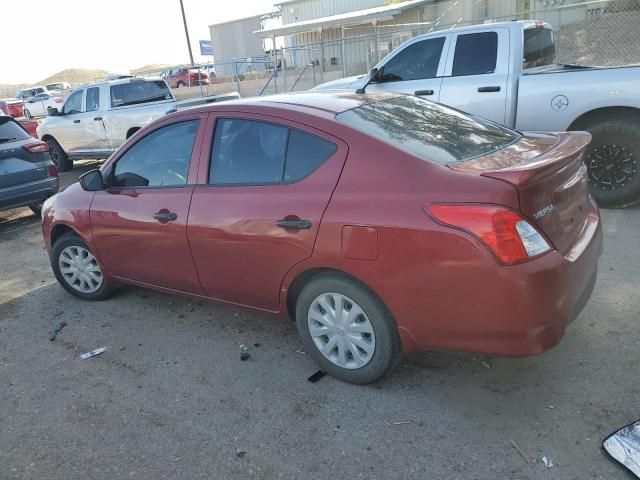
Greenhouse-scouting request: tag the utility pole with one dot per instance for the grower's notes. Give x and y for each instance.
(186, 32)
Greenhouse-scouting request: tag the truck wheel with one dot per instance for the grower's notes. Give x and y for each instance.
(58, 156)
(180, 84)
(613, 161)
(27, 114)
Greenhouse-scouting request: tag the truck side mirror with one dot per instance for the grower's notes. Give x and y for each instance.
(53, 112)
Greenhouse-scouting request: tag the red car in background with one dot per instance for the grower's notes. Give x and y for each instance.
(185, 77)
(12, 107)
(382, 223)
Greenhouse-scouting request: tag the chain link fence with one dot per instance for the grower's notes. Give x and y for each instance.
(600, 32)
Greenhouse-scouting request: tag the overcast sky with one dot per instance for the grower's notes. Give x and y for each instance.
(41, 37)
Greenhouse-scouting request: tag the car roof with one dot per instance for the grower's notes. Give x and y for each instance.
(328, 101)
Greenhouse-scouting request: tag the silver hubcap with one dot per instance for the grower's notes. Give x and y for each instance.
(80, 269)
(341, 330)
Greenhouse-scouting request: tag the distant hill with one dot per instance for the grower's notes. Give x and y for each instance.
(153, 68)
(76, 76)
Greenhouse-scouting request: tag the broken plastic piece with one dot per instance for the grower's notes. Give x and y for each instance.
(93, 353)
(53, 335)
(316, 376)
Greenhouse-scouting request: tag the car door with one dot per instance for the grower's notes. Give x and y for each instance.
(93, 124)
(36, 105)
(256, 210)
(68, 130)
(477, 73)
(139, 221)
(415, 69)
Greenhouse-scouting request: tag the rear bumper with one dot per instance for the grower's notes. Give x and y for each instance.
(28, 193)
(522, 310)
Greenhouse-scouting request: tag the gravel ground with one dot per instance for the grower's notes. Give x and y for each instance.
(171, 399)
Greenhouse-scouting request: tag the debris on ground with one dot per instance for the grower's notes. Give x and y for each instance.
(301, 352)
(244, 356)
(56, 331)
(316, 376)
(486, 364)
(526, 459)
(93, 353)
(256, 345)
(240, 453)
(396, 423)
(547, 462)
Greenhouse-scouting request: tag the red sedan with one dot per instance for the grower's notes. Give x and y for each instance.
(382, 223)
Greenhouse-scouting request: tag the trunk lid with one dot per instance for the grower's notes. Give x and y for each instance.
(18, 165)
(550, 176)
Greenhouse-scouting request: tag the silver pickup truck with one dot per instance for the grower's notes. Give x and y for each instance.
(96, 119)
(506, 73)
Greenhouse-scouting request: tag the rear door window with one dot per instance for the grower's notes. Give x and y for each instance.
(253, 152)
(475, 54)
(416, 61)
(427, 130)
(139, 91)
(92, 102)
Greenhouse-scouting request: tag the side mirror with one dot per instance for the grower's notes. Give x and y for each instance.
(92, 181)
(53, 112)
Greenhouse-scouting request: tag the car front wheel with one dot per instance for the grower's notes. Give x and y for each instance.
(77, 269)
(347, 329)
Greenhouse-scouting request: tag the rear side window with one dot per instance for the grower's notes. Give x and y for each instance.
(416, 61)
(159, 159)
(475, 54)
(11, 131)
(92, 102)
(428, 130)
(139, 91)
(539, 47)
(252, 152)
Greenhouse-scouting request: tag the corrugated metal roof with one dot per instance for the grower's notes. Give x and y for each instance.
(349, 18)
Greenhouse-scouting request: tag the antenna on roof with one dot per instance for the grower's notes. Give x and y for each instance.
(372, 74)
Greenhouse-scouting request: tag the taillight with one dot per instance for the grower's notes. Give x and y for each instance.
(38, 147)
(509, 236)
(52, 171)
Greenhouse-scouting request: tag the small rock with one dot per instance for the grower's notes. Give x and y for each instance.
(240, 453)
(244, 356)
(256, 344)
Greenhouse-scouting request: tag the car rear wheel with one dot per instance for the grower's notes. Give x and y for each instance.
(180, 84)
(347, 329)
(58, 156)
(27, 114)
(77, 269)
(613, 161)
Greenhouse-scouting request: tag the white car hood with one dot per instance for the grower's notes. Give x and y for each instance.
(342, 83)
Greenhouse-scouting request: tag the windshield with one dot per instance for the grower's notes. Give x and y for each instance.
(539, 47)
(428, 130)
(137, 91)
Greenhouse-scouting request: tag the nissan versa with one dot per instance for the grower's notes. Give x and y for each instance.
(382, 223)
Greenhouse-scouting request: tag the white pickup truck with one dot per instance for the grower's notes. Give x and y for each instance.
(506, 73)
(96, 119)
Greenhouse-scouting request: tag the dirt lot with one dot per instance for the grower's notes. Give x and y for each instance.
(171, 399)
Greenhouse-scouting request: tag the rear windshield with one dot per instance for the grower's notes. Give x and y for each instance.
(139, 91)
(11, 131)
(428, 130)
(539, 47)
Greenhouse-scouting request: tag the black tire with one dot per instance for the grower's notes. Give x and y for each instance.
(36, 208)
(67, 240)
(27, 114)
(613, 161)
(388, 348)
(180, 84)
(58, 156)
